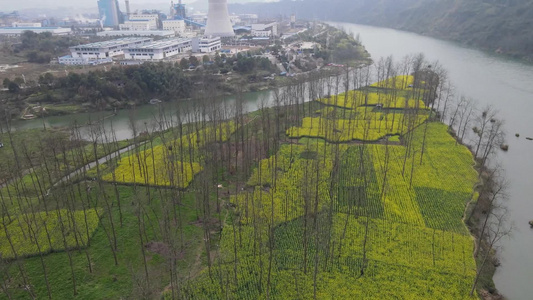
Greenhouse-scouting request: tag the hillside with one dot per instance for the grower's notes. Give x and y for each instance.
(503, 26)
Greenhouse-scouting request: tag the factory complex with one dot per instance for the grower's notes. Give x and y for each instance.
(150, 35)
(138, 48)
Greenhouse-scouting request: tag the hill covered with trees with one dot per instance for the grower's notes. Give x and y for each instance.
(503, 26)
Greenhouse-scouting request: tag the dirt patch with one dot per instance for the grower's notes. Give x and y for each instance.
(212, 223)
(239, 151)
(486, 295)
(162, 249)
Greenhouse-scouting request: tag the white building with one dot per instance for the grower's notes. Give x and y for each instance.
(265, 30)
(178, 26)
(106, 49)
(158, 50)
(139, 22)
(206, 44)
(135, 26)
(162, 33)
(16, 31)
(143, 17)
(152, 19)
(73, 61)
(22, 24)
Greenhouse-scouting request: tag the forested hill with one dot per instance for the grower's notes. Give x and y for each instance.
(496, 25)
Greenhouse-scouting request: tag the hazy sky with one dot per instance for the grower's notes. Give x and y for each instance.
(10, 5)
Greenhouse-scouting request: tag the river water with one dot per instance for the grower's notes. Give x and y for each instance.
(503, 83)
(507, 85)
(144, 115)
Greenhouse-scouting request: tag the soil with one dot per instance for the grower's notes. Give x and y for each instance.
(161, 249)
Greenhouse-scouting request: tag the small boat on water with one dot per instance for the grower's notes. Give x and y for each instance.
(155, 101)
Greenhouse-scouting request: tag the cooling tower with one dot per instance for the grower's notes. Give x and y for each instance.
(218, 22)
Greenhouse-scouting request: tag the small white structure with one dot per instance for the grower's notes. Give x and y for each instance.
(309, 46)
(106, 49)
(25, 24)
(82, 61)
(265, 30)
(218, 21)
(124, 33)
(178, 26)
(206, 44)
(16, 31)
(158, 50)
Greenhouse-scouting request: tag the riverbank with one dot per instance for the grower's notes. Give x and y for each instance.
(476, 211)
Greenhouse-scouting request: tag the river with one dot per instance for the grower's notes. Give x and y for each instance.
(490, 79)
(144, 115)
(507, 85)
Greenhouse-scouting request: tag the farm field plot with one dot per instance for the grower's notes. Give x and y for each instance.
(333, 220)
(354, 99)
(370, 236)
(371, 127)
(338, 198)
(43, 232)
(400, 82)
(155, 167)
(171, 164)
(365, 115)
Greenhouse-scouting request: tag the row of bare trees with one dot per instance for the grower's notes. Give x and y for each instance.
(194, 133)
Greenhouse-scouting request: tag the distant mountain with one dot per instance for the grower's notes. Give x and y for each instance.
(504, 26)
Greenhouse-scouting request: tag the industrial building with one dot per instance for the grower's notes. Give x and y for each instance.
(158, 50)
(26, 24)
(16, 31)
(137, 26)
(110, 14)
(179, 12)
(107, 49)
(133, 33)
(218, 20)
(81, 61)
(178, 26)
(137, 22)
(265, 30)
(206, 44)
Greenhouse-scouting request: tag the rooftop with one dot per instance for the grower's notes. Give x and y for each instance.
(137, 32)
(33, 28)
(163, 43)
(112, 43)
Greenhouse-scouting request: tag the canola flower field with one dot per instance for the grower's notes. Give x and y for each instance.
(337, 213)
(162, 164)
(382, 223)
(42, 232)
(366, 114)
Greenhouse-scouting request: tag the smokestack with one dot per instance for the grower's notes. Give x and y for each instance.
(218, 22)
(128, 8)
